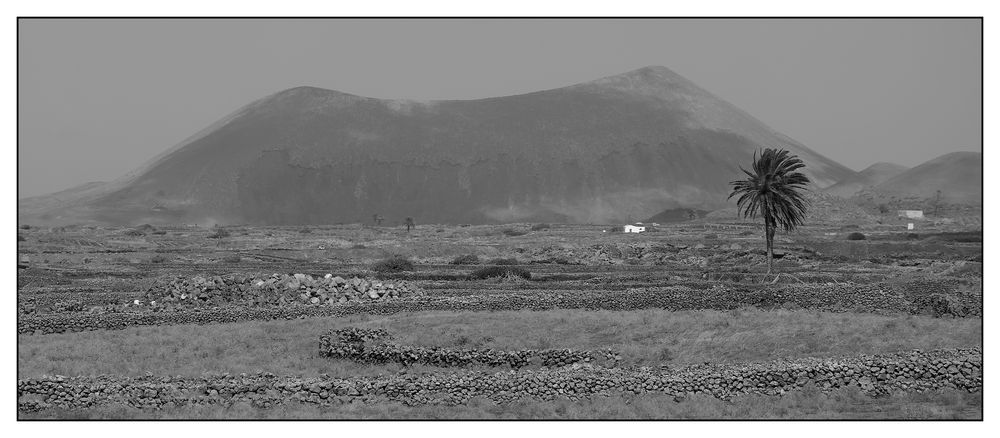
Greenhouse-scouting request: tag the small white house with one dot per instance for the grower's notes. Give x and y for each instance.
(912, 214)
(634, 229)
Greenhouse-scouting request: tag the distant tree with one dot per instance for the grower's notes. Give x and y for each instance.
(409, 224)
(377, 219)
(882, 208)
(774, 191)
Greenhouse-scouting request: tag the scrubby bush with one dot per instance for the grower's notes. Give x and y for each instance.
(510, 232)
(132, 232)
(159, 258)
(233, 258)
(855, 236)
(540, 227)
(219, 233)
(466, 259)
(159, 232)
(20, 238)
(396, 263)
(616, 229)
(499, 272)
(306, 231)
(912, 236)
(711, 236)
(505, 262)
(25, 227)
(560, 260)
(357, 246)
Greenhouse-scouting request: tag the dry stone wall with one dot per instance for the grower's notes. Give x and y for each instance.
(274, 290)
(930, 298)
(874, 374)
(372, 347)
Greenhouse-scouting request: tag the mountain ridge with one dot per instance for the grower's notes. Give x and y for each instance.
(629, 144)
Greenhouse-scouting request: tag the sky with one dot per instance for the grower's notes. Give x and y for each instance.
(98, 98)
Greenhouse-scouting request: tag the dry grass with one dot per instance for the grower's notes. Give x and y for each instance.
(844, 404)
(643, 337)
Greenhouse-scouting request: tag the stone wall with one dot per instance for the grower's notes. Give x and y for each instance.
(372, 347)
(273, 290)
(874, 374)
(931, 298)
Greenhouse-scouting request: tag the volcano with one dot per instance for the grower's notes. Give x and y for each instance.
(957, 176)
(872, 176)
(629, 145)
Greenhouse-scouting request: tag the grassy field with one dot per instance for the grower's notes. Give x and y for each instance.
(644, 337)
(844, 404)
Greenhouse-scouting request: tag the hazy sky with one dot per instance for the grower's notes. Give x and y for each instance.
(98, 98)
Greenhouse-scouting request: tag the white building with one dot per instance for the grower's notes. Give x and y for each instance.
(634, 229)
(912, 214)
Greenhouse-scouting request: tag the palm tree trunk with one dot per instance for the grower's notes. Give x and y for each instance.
(769, 237)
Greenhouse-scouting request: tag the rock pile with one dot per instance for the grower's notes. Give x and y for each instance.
(371, 346)
(275, 290)
(914, 371)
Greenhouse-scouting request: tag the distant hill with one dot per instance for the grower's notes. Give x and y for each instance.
(671, 215)
(872, 176)
(958, 176)
(633, 144)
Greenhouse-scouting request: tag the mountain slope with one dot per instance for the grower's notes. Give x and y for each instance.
(627, 145)
(958, 175)
(873, 175)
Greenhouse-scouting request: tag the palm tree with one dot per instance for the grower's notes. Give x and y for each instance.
(773, 190)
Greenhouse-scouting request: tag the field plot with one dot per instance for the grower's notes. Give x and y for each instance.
(512, 321)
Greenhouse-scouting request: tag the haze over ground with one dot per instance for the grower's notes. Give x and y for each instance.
(107, 95)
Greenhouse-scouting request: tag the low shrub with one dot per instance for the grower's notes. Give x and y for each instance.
(234, 258)
(510, 232)
(395, 263)
(499, 272)
(26, 227)
(358, 246)
(159, 258)
(711, 236)
(20, 238)
(466, 259)
(616, 229)
(159, 232)
(508, 261)
(559, 260)
(855, 236)
(219, 233)
(132, 232)
(306, 231)
(540, 227)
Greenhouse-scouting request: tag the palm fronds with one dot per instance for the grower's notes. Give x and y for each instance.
(773, 190)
